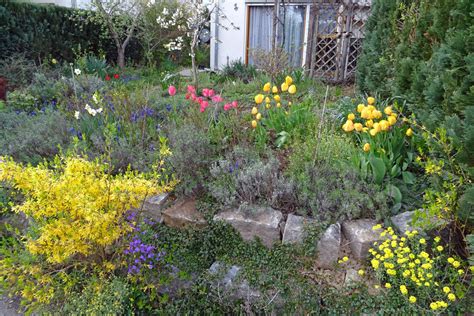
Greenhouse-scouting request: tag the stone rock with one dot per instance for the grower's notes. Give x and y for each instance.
(329, 246)
(361, 237)
(153, 206)
(352, 277)
(403, 222)
(229, 282)
(183, 214)
(294, 229)
(263, 223)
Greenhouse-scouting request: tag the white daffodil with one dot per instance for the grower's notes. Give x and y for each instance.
(77, 71)
(77, 114)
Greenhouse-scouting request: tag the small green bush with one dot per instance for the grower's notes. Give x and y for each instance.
(237, 70)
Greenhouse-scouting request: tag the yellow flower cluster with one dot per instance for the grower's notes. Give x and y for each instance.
(405, 261)
(272, 96)
(76, 204)
(369, 115)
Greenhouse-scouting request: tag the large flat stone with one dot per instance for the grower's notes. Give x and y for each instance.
(294, 232)
(183, 214)
(153, 206)
(261, 222)
(404, 222)
(361, 237)
(329, 246)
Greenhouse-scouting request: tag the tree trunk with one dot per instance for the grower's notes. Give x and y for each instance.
(193, 59)
(121, 57)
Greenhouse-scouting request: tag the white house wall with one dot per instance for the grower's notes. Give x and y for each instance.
(228, 32)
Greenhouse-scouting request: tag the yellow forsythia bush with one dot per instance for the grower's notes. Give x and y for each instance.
(75, 204)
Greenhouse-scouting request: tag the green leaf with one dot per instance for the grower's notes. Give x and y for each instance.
(408, 177)
(394, 193)
(395, 171)
(378, 169)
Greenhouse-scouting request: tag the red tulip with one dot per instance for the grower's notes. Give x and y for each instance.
(107, 78)
(116, 76)
(234, 104)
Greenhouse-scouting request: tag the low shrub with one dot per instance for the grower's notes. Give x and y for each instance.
(30, 138)
(237, 70)
(17, 70)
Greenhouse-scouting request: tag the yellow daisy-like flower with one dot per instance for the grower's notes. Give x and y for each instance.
(376, 227)
(403, 289)
(412, 299)
(439, 248)
(451, 297)
(460, 271)
(450, 260)
(434, 306)
(446, 289)
(361, 272)
(456, 264)
(345, 259)
(437, 239)
(422, 241)
(388, 285)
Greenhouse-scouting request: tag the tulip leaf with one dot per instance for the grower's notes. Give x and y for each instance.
(394, 193)
(378, 169)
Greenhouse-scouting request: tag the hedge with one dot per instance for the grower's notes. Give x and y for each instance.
(41, 31)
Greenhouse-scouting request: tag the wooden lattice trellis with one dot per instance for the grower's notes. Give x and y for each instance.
(336, 29)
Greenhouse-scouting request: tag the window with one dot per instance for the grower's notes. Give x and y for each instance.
(290, 31)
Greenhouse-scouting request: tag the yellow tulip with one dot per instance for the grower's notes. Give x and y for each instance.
(365, 129)
(391, 120)
(409, 132)
(258, 116)
(377, 114)
(360, 107)
(254, 123)
(384, 125)
(366, 147)
(288, 80)
(373, 132)
(351, 116)
(348, 126)
(292, 89)
(358, 127)
(267, 100)
(267, 87)
(276, 97)
(365, 113)
(377, 127)
(259, 98)
(278, 105)
(388, 110)
(284, 87)
(275, 89)
(371, 100)
(369, 123)
(254, 110)
(371, 108)
(268, 105)
(290, 104)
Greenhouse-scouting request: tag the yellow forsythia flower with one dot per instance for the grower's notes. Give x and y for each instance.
(371, 100)
(259, 98)
(366, 147)
(267, 87)
(292, 89)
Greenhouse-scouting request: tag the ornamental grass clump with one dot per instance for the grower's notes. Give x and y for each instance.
(76, 207)
(418, 271)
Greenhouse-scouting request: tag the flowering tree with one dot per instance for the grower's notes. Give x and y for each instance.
(197, 16)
